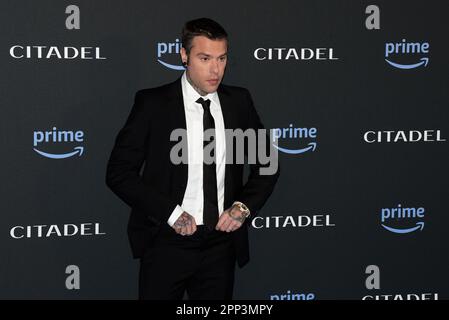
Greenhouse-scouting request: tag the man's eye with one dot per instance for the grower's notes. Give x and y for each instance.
(204, 59)
(223, 58)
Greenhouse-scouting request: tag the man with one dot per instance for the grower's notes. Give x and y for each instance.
(188, 221)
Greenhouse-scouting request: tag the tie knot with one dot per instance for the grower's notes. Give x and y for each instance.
(204, 103)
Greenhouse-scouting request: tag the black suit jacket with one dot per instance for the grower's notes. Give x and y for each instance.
(144, 142)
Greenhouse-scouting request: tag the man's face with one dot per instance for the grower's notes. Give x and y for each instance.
(206, 63)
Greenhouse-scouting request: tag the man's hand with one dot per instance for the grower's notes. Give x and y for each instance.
(227, 223)
(185, 225)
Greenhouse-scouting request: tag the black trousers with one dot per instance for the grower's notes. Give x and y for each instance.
(202, 264)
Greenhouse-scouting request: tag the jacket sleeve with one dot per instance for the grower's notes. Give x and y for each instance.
(125, 162)
(259, 186)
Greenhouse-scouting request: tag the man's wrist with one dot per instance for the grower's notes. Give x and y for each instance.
(177, 212)
(242, 209)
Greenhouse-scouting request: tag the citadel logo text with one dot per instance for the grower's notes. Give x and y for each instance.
(302, 54)
(57, 137)
(407, 51)
(407, 296)
(54, 230)
(54, 52)
(410, 136)
(399, 216)
(372, 283)
(169, 51)
(290, 136)
(301, 221)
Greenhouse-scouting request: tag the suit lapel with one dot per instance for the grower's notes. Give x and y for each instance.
(178, 121)
(229, 123)
(176, 105)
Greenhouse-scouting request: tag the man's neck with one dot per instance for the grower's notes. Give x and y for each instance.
(200, 92)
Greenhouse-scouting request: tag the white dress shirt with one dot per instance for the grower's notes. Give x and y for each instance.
(193, 197)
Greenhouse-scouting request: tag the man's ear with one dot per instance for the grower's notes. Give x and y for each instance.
(184, 57)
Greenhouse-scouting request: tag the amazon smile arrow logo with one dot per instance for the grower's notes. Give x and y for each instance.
(406, 48)
(312, 146)
(292, 133)
(165, 49)
(423, 62)
(61, 156)
(399, 214)
(170, 66)
(57, 136)
(419, 225)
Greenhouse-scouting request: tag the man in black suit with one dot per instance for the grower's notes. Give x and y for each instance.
(188, 220)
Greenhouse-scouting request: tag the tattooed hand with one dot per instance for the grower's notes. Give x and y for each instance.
(227, 221)
(185, 225)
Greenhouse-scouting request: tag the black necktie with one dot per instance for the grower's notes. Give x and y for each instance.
(210, 209)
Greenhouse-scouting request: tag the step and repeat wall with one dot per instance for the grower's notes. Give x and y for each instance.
(356, 93)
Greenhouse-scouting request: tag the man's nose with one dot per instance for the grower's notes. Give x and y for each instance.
(214, 67)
